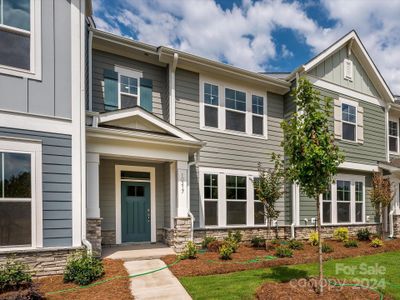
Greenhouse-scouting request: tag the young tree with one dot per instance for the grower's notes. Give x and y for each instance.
(381, 195)
(311, 153)
(268, 188)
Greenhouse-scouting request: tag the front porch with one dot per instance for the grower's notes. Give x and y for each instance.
(137, 180)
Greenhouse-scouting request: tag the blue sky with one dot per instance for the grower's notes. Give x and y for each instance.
(264, 35)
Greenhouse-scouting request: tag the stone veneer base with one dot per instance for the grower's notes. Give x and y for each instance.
(42, 262)
(93, 234)
(396, 226)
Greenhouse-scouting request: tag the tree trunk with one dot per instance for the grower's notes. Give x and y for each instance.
(268, 233)
(383, 216)
(321, 273)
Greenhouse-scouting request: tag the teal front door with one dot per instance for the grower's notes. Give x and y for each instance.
(135, 211)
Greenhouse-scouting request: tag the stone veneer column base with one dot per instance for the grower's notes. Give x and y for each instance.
(180, 235)
(396, 226)
(93, 234)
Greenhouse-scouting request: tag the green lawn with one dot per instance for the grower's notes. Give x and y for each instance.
(242, 285)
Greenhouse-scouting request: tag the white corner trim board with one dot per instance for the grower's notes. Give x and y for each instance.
(118, 219)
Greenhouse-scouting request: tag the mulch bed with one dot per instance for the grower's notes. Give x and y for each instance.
(209, 262)
(305, 289)
(115, 289)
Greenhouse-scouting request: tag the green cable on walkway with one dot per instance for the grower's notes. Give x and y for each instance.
(111, 279)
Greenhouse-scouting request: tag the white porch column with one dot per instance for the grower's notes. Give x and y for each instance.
(92, 185)
(182, 189)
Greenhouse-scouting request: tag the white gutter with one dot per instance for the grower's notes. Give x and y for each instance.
(387, 108)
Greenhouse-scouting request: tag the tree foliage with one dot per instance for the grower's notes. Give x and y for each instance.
(312, 155)
(268, 187)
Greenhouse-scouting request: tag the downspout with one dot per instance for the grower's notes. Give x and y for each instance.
(192, 218)
(387, 108)
(172, 99)
(391, 227)
(85, 242)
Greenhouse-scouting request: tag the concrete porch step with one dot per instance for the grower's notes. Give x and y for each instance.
(132, 252)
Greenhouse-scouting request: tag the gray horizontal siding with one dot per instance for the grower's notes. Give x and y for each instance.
(332, 70)
(167, 196)
(225, 150)
(57, 188)
(51, 95)
(195, 195)
(103, 60)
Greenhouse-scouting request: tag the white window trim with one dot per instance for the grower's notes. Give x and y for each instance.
(351, 103)
(35, 33)
(222, 201)
(123, 71)
(222, 85)
(118, 220)
(35, 150)
(392, 119)
(352, 179)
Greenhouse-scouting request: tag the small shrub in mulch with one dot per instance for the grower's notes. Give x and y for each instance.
(190, 251)
(282, 251)
(376, 243)
(341, 234)
(214, 246)
(258, 242)
(296, 245)
(83, 268)
(300, 289)
(326, 248)
(225, 252)
(313, 239)
(363, 234)
(203, 264)
(351, 244)
(207, 240)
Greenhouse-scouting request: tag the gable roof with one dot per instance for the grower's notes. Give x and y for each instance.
(354, 44)
(151, 121)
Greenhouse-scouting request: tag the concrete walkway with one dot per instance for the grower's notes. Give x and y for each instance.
(159, 285)
(137, 251)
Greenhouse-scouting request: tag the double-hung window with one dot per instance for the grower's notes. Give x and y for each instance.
(129, 91)
(20, 209)
(327, 206)
(19, 44)
(259, 213)
(343, 200)
(211, 199)
(236, 200)
(349, 122)
(393, 136)
(258, 114)
(211, 105)
(235, 113)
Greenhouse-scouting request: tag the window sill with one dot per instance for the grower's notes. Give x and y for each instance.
(230, 132)
(349, 142)
(20, 73)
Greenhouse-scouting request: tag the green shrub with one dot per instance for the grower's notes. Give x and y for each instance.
(376, 243)
(282, 251)
(351, 244)
(275, 242)
(313, 238)
(13, 275)
(225, 252)
(341, 234)
(83, 268)
(257, 242)
(207, 240)
(296, 245)
(363, 234)
(190, 251)
(232, 243)
(214, 246)
(236, 236)
(326, 248)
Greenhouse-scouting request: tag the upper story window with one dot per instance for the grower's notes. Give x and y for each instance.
(349, 122)
(211, 105)
(232, 110)
(393, 136)
(20, 30)
(235, 102)
(126, 88)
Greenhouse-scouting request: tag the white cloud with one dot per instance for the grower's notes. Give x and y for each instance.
(242, 36)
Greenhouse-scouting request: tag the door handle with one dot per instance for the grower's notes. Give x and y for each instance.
(148, 215)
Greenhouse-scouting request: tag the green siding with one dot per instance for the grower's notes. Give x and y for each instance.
(308, 206)
(332, 70)
(374, 147)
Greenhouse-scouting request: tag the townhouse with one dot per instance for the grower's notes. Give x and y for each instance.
(105, 140)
